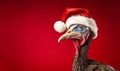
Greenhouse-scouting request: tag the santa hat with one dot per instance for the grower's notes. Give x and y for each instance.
(76, 16)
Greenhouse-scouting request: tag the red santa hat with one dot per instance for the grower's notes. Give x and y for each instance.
(76, 16)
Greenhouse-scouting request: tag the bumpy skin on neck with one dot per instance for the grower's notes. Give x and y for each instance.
(80, 60)
(82, 63)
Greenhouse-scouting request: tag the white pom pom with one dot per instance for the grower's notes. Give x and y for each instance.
(59, 26)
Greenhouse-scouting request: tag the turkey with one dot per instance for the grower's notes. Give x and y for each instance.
(81, 28)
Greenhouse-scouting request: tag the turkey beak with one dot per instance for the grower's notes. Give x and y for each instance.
(69, 35)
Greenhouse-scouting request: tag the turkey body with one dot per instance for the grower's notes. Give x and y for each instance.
(90, 65)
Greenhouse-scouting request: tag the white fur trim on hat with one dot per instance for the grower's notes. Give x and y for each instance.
(85, 21)
(59, 26)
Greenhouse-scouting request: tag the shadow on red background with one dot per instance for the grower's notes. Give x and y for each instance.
(28, 41)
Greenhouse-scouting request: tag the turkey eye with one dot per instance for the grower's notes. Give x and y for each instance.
(80, 27)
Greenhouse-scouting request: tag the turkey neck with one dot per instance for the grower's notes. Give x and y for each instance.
(81, 60)
(82, 51)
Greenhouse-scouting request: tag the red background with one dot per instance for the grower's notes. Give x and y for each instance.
(28, 41)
